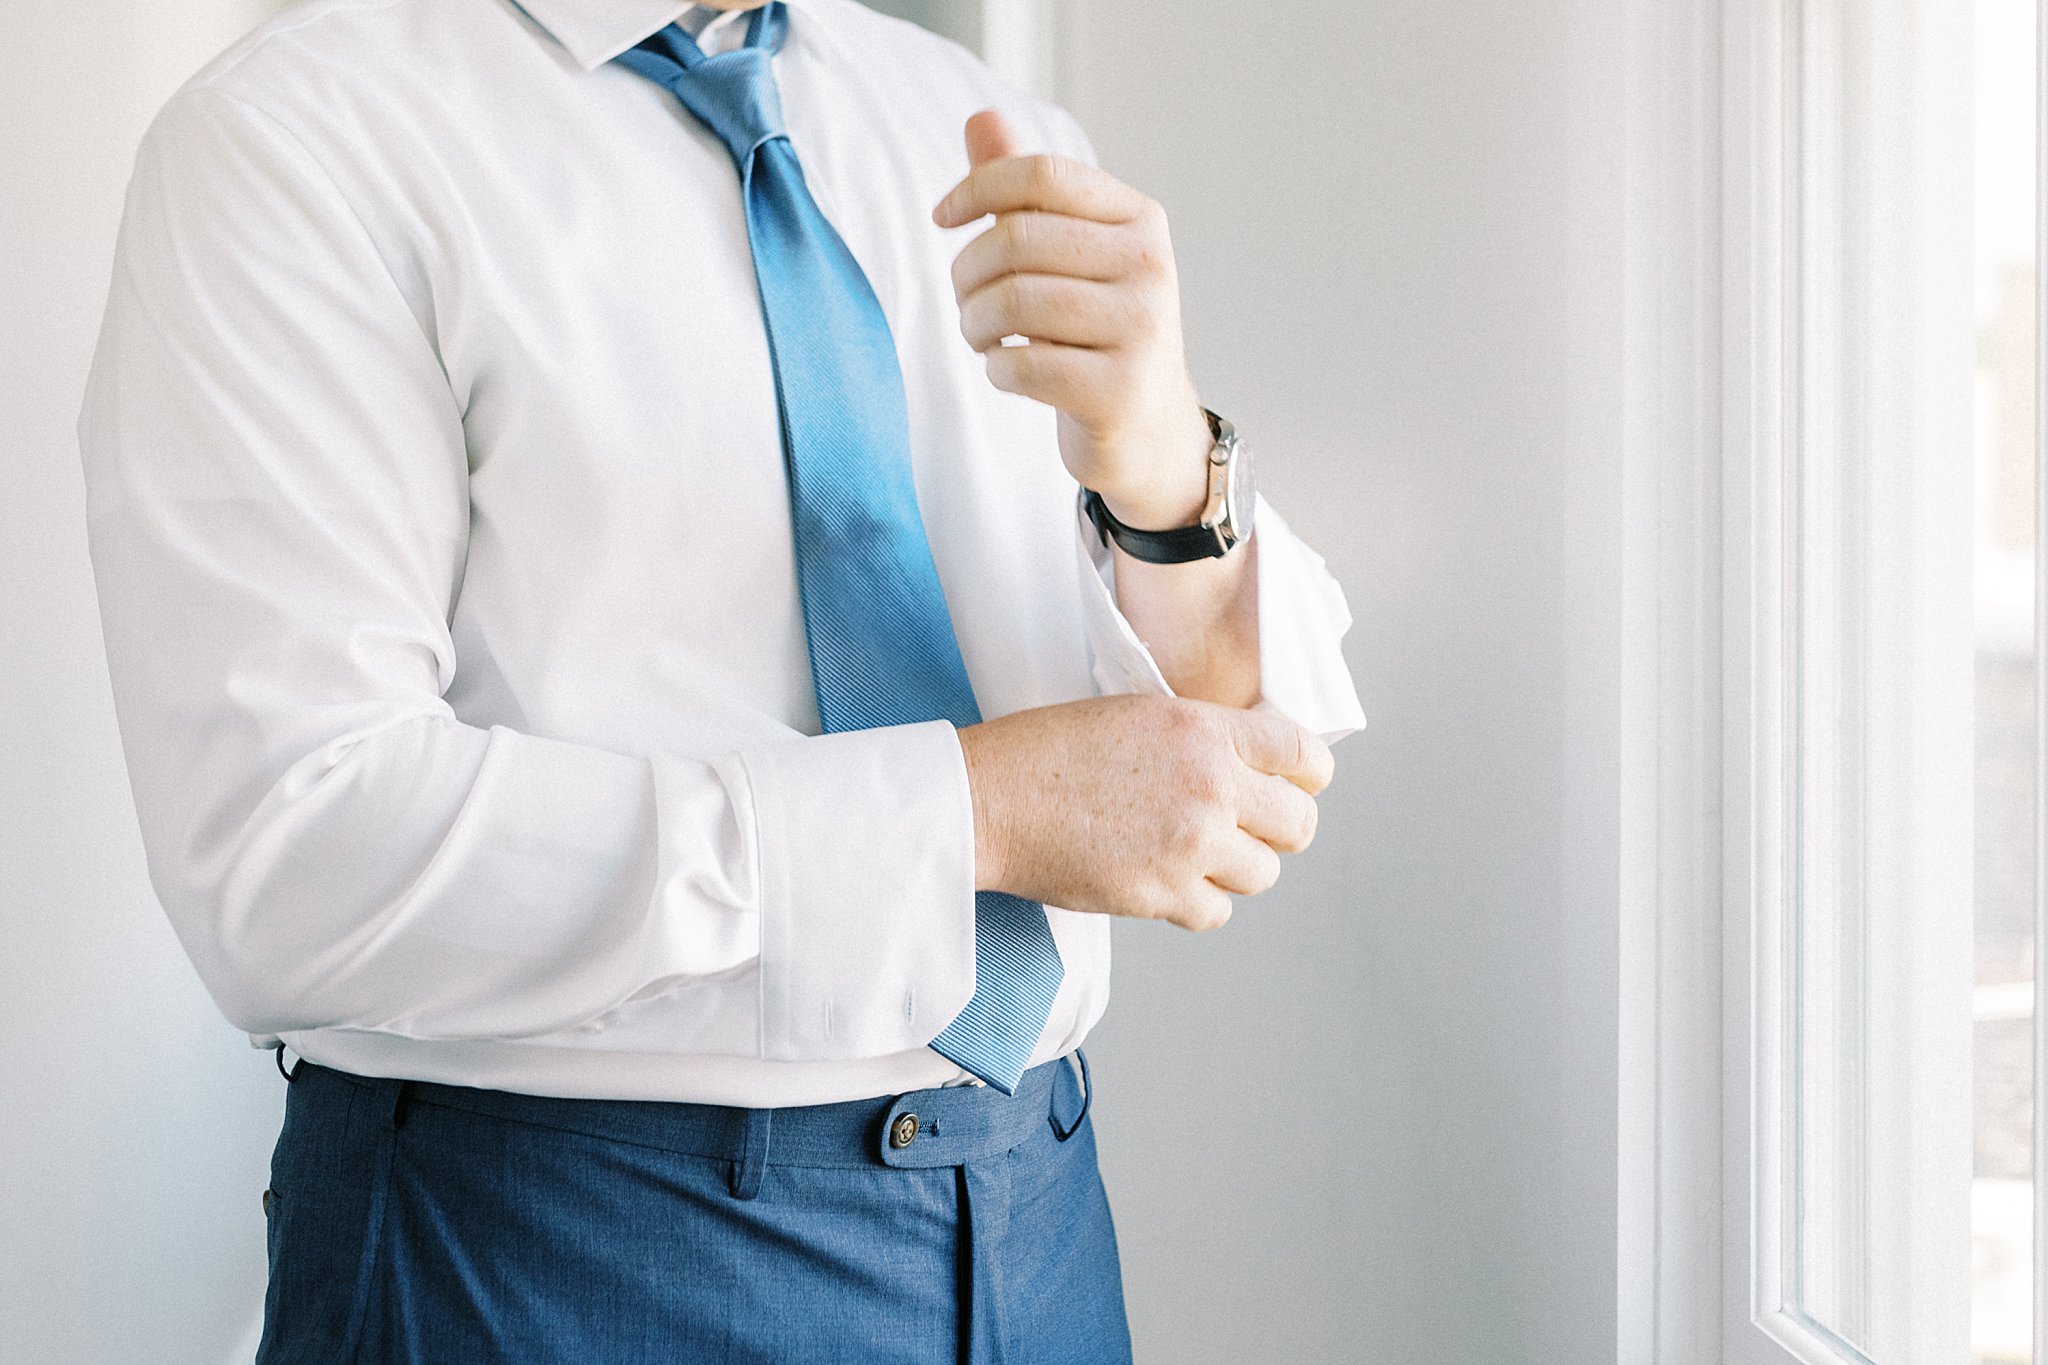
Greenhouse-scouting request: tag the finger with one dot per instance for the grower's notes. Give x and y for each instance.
(989, 138)
(1208, 907)
(1075, 379)
(1030, 242)
(1244, 866)
(1055, 184)
(1051, 308)
(1271, 743)
(1277, 812)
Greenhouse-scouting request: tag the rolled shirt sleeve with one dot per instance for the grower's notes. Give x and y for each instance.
(277, 506)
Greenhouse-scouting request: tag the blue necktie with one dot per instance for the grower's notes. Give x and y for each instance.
(881, 642)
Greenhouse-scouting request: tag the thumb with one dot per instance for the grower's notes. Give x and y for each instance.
(989, 138)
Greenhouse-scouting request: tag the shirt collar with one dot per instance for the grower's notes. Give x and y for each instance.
(595, 31)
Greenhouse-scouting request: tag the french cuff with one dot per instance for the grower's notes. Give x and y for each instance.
(867, 890)
(1119, 660)
(1302, 620)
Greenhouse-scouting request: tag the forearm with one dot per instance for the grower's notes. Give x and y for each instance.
(1199, 619)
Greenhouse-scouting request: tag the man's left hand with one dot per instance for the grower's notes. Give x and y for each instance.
(1080, 265)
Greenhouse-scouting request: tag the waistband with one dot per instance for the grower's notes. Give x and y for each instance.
(944, 1126)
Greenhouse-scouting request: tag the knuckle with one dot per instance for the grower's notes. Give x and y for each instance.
(1149, 258)
(1168, 901)
(1311, 816)
(1189, 717)
(1268, 875)
(1044, 173)
(1207, 785)
(964, 267)
(1032, 365)
(1316, 755)
(991, 305)
(1012, 369)
(1203, 751)
(1002, 369)
(1137, 899)
(1162, 900)
(1186, 840)
(1018, 301)
(1015, 297)
(1294, 838)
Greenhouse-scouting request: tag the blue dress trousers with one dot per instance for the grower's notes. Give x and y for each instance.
(441, 1224)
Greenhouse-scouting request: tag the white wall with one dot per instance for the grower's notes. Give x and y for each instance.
(134, 1123)
(1374, 1119)
(959, 20)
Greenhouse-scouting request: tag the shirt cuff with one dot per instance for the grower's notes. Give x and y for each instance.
(866, 843)
(1302, 620)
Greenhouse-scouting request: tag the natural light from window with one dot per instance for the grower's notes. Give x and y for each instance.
(2002, 1188)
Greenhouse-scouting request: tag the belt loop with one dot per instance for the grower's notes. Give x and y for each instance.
(746, 1172)
(1087, 1097)
(388, 1102)
(292, 1074)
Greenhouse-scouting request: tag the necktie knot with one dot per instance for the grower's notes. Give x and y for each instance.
(734, 94)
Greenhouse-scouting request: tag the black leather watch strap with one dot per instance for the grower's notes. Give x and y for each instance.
(1181, 545)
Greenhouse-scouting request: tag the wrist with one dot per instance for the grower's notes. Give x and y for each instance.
(982, 782)
(1178, 489)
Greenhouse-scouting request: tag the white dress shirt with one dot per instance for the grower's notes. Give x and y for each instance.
(443, 546)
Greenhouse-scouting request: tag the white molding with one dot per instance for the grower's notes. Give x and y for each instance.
(2040, 1095)
(1881, 342)
(1753, 220)
(1669, 1150)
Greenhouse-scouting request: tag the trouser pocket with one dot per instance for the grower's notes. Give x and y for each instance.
(329, 1178)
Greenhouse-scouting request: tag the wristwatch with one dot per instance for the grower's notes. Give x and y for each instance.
(1226, 517)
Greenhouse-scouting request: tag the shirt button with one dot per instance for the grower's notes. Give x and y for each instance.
(903, 1131)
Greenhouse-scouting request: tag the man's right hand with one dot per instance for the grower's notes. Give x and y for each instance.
(1153, 807)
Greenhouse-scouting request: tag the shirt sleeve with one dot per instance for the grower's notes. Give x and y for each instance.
(277, 509)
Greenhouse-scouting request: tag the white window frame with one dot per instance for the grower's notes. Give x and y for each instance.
(1701, 1248)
